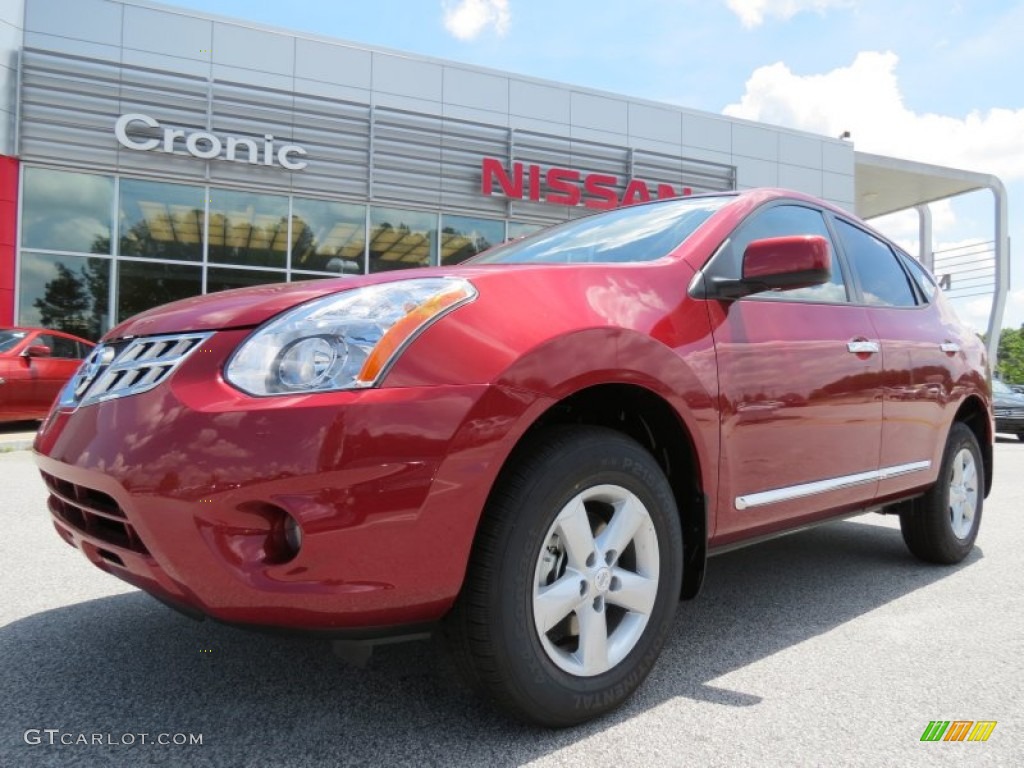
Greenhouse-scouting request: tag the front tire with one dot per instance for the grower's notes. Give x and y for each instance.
(941, 526)
(573, 580)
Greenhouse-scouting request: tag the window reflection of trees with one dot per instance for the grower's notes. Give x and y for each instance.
(144, 285)
(398, 247)
(338, 248)
(328, 236)
(463, 237)
(74, 301)
(400, 239)
(243, 237)
(158, 223)
(224, 278)
(174, 233)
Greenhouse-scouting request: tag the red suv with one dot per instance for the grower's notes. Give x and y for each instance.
(536, 451)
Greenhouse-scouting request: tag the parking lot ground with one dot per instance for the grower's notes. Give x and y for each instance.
(831, 647)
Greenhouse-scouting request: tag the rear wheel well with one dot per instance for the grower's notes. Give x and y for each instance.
(973, 413)
(651, 421)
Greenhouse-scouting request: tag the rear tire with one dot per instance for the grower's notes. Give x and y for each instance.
(941, 526)
(573, 580)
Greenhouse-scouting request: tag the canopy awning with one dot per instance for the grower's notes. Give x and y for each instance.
(889, 184)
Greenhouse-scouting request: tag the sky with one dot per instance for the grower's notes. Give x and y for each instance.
(931, 80)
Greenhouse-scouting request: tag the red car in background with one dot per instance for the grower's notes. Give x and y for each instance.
(537, 450)
(35, 363)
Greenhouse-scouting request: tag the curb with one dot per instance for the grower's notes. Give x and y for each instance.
(10, 446)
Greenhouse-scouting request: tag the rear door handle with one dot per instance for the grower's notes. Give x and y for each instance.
(949, 347)
(862, 347)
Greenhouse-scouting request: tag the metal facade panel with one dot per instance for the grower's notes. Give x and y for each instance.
(463, 144)
(171, 34)
(381, 154)
(337, 63)
(95, 21)
(255, 49)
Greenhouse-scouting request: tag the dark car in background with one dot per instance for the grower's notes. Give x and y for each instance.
(1009, 409)
(34, 364)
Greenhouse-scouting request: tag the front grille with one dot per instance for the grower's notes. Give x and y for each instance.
(128, 367)
(1009, 412)
(92, 513)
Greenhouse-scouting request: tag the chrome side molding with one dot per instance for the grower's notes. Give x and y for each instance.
(826, 486)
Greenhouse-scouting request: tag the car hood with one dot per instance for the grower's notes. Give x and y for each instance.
(249, 307)
(633, 295)
(1007, 401)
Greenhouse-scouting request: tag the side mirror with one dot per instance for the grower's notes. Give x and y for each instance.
(796, 261)
(38, 350)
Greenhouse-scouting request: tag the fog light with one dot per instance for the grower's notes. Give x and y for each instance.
(284, 539)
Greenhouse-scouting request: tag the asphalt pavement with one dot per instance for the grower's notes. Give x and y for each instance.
(831, 647)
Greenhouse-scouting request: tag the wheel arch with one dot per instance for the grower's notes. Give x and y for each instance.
(973, 413)
(650, 420)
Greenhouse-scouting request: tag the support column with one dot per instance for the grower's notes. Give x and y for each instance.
(8, 236)
(1002, 277)
(926, 251)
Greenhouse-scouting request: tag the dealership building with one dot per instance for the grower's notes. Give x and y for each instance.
(150, 153)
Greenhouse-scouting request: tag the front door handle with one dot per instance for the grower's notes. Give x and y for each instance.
(949, 347)
(862, 347)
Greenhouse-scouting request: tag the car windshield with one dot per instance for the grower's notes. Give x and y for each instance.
(632, 234)
(10, 339)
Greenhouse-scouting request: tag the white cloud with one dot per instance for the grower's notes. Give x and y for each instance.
(1014, 317)
(865, 99)
(466, 19)
(904, 226)
(975, 312)
(752, 13)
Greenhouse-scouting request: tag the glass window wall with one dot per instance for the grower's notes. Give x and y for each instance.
(64, 211)
(248, 229)
(161, 221)
(328, 237)
(142, 285)
(167, 245)
(463, 237)
(65, 293)
(222, 279)
(517, 229)
(402, 239)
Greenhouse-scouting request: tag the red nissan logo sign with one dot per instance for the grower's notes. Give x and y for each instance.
(565, 186)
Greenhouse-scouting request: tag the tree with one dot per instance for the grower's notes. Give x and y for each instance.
(97, 278)
(1010, 357)
(65, 304)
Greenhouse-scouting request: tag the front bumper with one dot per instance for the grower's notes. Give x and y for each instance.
(174, 490)
(1013, 424)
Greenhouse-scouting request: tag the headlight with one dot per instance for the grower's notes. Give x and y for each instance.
(343, 341)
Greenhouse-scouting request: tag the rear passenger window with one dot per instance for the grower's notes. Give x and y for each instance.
(882, 279)
(923, 279)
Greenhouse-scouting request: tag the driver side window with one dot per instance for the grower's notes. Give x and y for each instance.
(782, 221)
